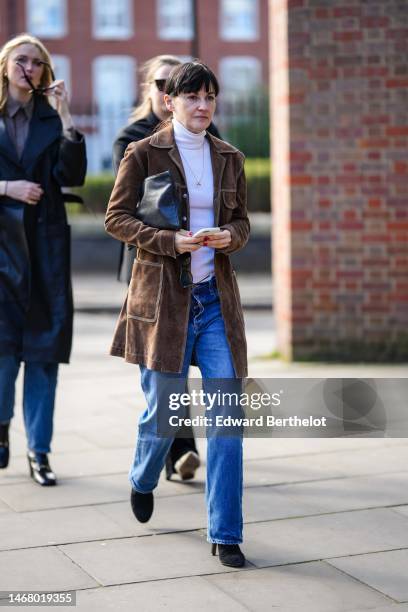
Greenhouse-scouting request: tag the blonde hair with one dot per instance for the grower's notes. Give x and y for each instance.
(8, 47)
(147, 71)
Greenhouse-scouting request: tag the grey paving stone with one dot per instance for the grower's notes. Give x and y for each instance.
(290, 469)
(352, 493)
(146, 558)
(351, 462)
(191, 593)
(84, 491)
(61, 526)
(41, 569)
(321, 537)
(379, 460)
(402, 510)
(385, 571)
(310, 587)
(71, 492)
(116, 435)
(262, 448)
(5, 509)
(178, 513)
(78, 464)
(63, 442)
(185, 512)
(267, 503)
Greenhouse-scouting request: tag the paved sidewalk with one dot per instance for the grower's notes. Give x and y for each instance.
(326, 520)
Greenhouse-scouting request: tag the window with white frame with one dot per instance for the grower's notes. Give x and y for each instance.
(175, 19)
(112, 19)
(114, 81)
(239, 19)
(240, 74)
(62, 70)
(47, 18)
(114, 92)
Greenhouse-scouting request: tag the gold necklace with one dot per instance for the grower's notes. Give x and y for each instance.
(198, 181)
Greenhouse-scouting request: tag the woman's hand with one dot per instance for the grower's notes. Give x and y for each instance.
(186, 243)
(60, 96)
(220, 240)
(25, 191)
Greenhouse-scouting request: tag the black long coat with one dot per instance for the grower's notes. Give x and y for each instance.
(36, 308)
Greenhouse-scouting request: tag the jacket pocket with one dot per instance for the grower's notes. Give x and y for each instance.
(145, 291)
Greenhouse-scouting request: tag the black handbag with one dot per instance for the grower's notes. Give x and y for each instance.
(159, 206)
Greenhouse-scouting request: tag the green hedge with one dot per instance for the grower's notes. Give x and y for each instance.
(97, 188)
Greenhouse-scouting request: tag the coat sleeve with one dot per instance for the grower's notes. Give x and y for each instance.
(119, 147)
(120, 221)
(70, 167)
(239, 226)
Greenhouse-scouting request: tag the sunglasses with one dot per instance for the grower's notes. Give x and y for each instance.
(160, 84)
(38, 90)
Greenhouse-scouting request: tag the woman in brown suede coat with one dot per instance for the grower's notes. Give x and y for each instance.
(183, 305)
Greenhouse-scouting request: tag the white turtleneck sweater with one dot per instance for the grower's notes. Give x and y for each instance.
(201, 196)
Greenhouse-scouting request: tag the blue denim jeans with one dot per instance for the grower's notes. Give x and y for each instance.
(40, 381)
(206, 338)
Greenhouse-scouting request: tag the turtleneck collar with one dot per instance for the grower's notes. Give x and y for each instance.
(185, 138)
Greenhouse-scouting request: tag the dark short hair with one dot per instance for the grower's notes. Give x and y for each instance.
(190, 77)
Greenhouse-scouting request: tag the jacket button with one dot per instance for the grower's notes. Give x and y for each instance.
(185, 195)
(184, 218)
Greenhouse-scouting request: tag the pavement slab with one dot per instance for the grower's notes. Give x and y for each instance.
(41, 569)
(72, 492)
(58, 526)
(146, 558)
(304, 587)
(192, 593)
(352, 493)
(347, 463)
(326, 536)
(384, 571)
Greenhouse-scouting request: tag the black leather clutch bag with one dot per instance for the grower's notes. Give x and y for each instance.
(159, 206)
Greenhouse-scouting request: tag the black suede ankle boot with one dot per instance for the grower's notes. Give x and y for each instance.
(229, 554)
(142, 505)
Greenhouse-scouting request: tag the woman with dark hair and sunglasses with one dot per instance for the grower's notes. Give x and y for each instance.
(183, 457)
(183, 304)
(40, 151)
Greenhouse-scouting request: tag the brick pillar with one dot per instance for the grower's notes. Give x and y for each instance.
(339, 134)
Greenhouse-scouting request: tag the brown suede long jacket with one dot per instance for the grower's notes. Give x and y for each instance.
(152, 325)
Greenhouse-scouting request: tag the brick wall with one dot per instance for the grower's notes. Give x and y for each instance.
(339, 132)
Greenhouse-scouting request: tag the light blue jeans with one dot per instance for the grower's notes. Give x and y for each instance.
(40, 381)
(206, 338)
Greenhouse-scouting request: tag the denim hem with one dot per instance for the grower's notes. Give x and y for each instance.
(212, 541)
(137, 490)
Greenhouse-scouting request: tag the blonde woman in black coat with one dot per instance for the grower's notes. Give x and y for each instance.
(40, 151)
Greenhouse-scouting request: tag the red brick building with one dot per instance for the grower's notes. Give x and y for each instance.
(99, 45)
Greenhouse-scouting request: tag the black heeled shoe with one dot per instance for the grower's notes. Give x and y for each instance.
(169, 467)
(40, 470)
(4, 445)
(142, 505)
(229, 554)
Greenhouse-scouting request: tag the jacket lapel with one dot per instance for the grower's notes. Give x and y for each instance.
(45, 127)
(218, 164)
